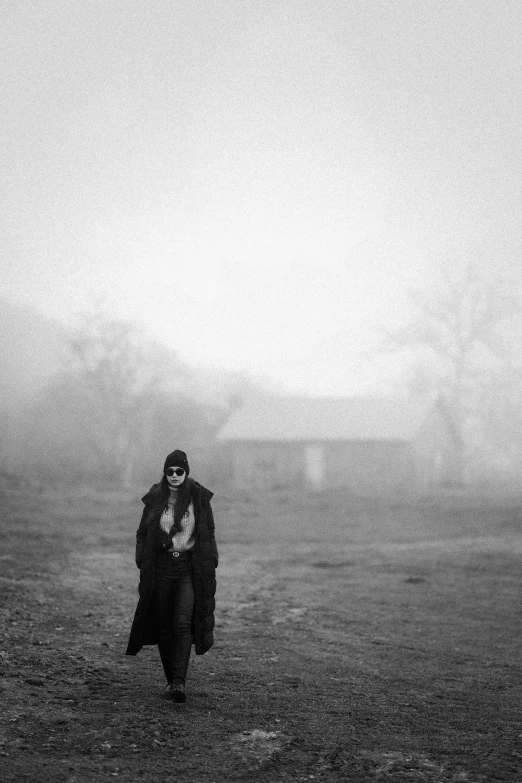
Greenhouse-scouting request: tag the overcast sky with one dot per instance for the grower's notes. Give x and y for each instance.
(256, 180)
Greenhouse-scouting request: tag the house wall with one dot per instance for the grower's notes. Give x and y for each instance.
(363, 467)
(261, 465)
(369, 467)
(435, 452)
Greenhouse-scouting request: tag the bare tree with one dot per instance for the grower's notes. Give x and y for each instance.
(120, 403)
(457, 337)
(120, 384)
(496, 437)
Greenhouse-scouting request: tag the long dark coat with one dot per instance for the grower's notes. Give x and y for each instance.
(205, 560)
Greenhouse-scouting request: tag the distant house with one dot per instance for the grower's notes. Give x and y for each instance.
(368, 445)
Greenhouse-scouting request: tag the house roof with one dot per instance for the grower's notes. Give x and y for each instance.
(323, 419)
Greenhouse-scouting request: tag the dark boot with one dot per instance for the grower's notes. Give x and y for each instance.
(180, 661)
(165, 647)
(177, 693)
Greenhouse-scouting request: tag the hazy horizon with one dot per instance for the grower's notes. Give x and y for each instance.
(257, 184)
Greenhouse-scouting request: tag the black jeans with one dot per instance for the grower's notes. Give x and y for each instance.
(174, 605)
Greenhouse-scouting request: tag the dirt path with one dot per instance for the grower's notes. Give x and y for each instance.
(381, 660)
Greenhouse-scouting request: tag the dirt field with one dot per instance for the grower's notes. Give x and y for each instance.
(355, 641)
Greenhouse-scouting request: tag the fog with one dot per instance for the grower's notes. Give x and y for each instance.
(258, 188)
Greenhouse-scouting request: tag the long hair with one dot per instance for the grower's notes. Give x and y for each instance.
(183, 498)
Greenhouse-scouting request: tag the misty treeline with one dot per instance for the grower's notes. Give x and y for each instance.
(464, 344)
(118, 405)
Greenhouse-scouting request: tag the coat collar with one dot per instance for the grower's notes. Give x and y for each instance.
(197, 491)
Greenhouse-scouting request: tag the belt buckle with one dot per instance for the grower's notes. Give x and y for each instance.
(175, 554)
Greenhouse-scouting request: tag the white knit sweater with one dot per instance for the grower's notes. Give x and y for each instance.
(184, 540)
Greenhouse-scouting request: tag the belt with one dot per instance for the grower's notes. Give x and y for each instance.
(185, 554)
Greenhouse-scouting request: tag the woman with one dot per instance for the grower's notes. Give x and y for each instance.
(177, 556)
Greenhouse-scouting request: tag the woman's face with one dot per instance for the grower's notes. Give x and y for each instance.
(175, 476)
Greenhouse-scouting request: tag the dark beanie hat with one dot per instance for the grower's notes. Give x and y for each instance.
(177, 459)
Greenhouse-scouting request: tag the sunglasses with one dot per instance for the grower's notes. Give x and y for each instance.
(174, 472)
